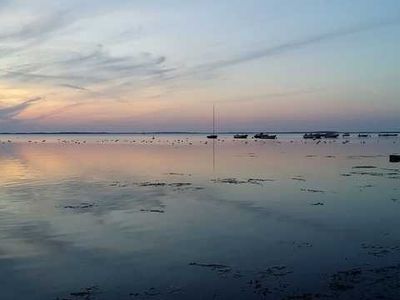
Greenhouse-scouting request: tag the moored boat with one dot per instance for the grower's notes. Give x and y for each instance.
(388, 134)
(330, 135)
(312, 135)
(240, 136)
(394, 158)
(265, 136)
(213, 135)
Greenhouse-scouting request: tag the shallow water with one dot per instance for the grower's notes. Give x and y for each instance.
(180, 217)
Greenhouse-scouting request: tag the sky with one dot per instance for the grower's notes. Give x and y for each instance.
(161, 65)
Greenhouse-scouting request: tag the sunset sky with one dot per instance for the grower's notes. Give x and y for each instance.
(127, 65)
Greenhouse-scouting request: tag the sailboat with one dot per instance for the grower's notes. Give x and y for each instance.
(213, 135)
(265, 136)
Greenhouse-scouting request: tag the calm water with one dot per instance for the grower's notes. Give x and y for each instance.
(174, 217)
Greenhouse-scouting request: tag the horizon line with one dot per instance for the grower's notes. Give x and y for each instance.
(190, 132)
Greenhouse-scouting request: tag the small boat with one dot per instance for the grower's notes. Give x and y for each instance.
(394, 158)
(240, 136)
(331, 135)
(346, 134)
(362, 135)
(314, 136)
(213, 135)
(265, 136)
(387, 134)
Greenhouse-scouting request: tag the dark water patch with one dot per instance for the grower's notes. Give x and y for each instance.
(241, 181)
(312, 191)
(364, 167)
(276, 282)
(259, 180)
(177, 174)
(184, 186)
(179, 184)
(367, 283)
(163, 184)
(228, 180)
(385, 174)
(364, 156)
(269, 281)
(369, 173)
(153, 292)
(298, 178)
(152, 184)
(307, 296)
(297, 244)
(389, 173)
(160, 211)
(175, 186)
(80, 206)
(220, 269)
(345, 280)
(277, 271)
(380, 250)
(376, 174)
(88, 293)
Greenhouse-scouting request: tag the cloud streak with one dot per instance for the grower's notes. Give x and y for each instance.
(22, 39)
(74, 87)
(12, 111)
(293, 45)
(39, 28)
(86, 69)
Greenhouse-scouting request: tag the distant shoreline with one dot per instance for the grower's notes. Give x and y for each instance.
(179, 132)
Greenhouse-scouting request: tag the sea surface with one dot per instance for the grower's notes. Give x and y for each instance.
(183, 217)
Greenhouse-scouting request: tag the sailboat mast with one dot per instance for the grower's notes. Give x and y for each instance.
(213, 135)
(213, 118)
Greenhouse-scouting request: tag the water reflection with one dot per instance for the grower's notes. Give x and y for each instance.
(213, 156)
(131, 219)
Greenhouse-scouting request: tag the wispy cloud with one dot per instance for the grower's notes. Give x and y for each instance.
(81, 68)
(23, 38)
(85, 69)
(74, 87)
(12, 111)
(291, 46)
(39, 28)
